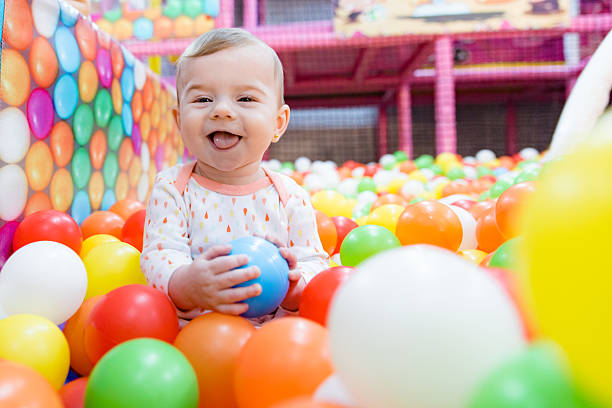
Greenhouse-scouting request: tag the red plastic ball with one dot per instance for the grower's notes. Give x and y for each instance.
(133, 229)
(344, 225)
(126, 313)
(319, 292)
(48, 225)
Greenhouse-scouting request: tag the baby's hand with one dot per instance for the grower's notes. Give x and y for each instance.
(296, 281)
(285, 252)
(208, 282)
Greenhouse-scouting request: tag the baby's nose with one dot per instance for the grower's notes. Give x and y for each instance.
(222, 111)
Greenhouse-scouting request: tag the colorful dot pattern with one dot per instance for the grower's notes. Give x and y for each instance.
(84, 123)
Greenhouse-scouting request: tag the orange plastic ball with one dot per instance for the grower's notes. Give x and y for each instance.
(489, 237)
(97, 149)
(147, 94)
(61, 190)
(15, 82)
(327, 232)
(479, 209)
(212, 344)
(137, 106)
(102, 222)
(88, 81)
(305, 402)
(18, 25)
(73, 330)
(509, 206)
(116, 96)
(96, 190)
(61, 140)
(126, 153)
(125, 208)
(22, 386)
(39, 166)
(162, 28)
(39, 201)
(430, 222)
(389, 199)
(183, 27)
(86, 38)
(122, 186)
(43, 62)
(285, 358)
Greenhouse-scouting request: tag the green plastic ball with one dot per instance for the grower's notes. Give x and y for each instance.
(142, 373)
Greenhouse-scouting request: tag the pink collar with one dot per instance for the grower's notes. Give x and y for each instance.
(186, 172)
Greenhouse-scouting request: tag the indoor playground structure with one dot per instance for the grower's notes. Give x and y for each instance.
(457, 155)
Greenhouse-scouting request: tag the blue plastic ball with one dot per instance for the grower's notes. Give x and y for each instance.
(143, 28)
(81, 208)
(65, 96)
(274, 277)
(67, 50)
(127, 119)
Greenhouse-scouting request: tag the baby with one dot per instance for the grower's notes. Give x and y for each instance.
(230, 108)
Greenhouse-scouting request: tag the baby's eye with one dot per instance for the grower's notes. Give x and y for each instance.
(203, 99)
(246, 99)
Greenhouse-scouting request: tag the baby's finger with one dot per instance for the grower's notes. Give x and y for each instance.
(294, 275)
(271, 238)
(237, 276)
(215, 251)
(234, 295)
(233, 308)
(289, 257)
(227, 263)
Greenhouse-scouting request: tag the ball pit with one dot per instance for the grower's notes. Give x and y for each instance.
(87, 128)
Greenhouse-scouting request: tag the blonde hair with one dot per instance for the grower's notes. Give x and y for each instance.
(223, 38)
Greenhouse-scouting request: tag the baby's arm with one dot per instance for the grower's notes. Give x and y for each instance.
(203, 283)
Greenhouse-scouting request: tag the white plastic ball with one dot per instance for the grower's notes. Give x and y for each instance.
(44, 278)
(273, 164)
(358, 172)
(418, 326)
(412, 188)
(529, 153)
(485, 156)
(302, 164)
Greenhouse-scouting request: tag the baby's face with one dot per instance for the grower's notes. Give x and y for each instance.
(229, 109)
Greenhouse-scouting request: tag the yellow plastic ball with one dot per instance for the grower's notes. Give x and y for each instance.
(110, 266)
(386, 216)
(428, 195)
(438, 190)
(445, 157)
(38, 343)
(473, 255)
(95, 240)
(362, 220)
(396, 185)
(331, 203)
(417, 175)
(568, 267)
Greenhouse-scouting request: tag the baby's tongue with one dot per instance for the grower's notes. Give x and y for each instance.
(224, 140)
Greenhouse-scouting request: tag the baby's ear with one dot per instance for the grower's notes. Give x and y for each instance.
(177, 116)
(282, 120)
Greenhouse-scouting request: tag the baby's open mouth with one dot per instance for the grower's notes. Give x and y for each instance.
(224, 140)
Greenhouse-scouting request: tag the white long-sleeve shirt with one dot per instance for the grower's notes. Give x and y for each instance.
(187, 213)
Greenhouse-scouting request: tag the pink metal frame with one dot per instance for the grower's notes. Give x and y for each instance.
(291, 38)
